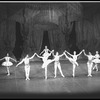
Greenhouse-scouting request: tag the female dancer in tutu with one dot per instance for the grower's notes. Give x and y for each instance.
(45, 50)
(46, 61)
(27, 66)
(73, 60)
(96, 60)
(8, 63)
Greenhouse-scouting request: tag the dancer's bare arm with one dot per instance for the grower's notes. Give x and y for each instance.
(69, 53)
(85, 53)
(66, 55)
(42, 51)
(53, 53)
(2, 58)
(32, 56)
(61, 54)
(80, 53)
(38, 55)
(13, 59)
(49, 51)
(20, 62)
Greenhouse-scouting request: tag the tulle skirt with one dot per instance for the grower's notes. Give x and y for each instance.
(46, 63)
(96, 60)
(7, 63)
(73, 61)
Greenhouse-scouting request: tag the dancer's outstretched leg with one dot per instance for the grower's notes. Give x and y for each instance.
(45, 65)
(95, 67)
(59, 66)
(8, 71)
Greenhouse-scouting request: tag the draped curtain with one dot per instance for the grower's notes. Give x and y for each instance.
(88, 34)
(36, 37)
(7, 35)
(57, 40)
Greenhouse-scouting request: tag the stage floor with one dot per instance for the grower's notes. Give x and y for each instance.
(80, 84)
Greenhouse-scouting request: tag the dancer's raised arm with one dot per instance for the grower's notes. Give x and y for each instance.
(61, 54)
(13, 59)
(53, 53)
(39, 56)
(20, 62)
(42, 51)
(80, 52)
(2, 58)
(85, 53)
(49, 51)
(69, 53)
(66, 55)
(32, 56)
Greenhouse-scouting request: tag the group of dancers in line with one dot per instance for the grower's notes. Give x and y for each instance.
(46, 53)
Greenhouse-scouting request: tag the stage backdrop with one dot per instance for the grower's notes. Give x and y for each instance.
(57, 20)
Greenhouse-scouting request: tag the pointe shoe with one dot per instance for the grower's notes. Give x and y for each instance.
(27, 79)
(63, 76)
(8, 74)
(89, 75)
(54, 76)
(73, 75)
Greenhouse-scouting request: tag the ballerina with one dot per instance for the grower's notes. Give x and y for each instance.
(96, 60)
(73, 60)
(57, 64)
(27, 65)
(7, 63)
(45, 50)
(46, 61)
(89, 63)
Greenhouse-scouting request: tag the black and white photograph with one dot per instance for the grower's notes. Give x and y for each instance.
(49, 49)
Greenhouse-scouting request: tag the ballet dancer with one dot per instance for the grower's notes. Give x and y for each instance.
(89, 63)
(45, 50)
(96, 60)
(46, 61)
(7, 63)
(27, 65)
(57, 64)
(73, 60)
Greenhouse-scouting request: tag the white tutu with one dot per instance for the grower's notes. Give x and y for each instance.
(96, 60)
(46, 63)
(7, 63)
(73, 61)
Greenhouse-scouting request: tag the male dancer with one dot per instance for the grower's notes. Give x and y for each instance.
(27, 66)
